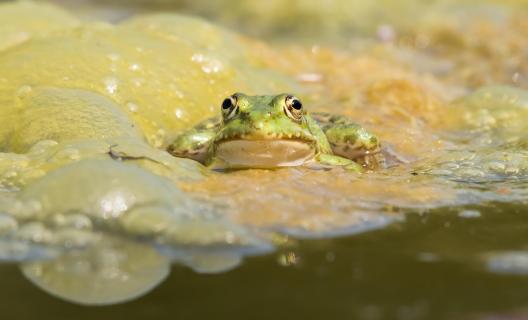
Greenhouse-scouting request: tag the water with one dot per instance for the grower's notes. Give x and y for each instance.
(432, 266)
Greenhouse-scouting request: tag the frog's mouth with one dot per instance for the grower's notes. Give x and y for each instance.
(240, 153)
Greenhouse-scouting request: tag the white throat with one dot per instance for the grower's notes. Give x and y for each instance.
(264, 153)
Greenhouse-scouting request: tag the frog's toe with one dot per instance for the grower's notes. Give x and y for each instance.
(333, 160)
(354, 167)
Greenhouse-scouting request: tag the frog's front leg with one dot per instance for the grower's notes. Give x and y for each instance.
(195, 143)
(350, 140)
(333, 160)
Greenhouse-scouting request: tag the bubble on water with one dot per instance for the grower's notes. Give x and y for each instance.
(212, 67)
(197, 57)
(134, 67)
(132, 107)
(469, 214)
(111, 84)
(178, 112)
(208, 64)
(113, 205)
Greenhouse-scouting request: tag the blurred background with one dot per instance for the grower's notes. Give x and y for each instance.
(327, 20)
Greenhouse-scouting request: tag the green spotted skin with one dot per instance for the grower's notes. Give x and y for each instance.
(350, 140)
(335, 140)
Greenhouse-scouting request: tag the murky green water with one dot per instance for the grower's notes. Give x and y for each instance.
(431, 266)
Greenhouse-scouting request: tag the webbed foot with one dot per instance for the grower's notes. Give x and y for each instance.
(333, 160)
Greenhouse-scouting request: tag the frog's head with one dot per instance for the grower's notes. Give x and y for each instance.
(264, 131)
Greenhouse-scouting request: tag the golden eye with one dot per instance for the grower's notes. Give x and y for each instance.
(229, 107)
(293, 107)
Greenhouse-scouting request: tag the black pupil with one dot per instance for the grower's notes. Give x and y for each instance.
(296, 104)
(227, 104)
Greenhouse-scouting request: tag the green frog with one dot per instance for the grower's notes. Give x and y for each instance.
(271, 131)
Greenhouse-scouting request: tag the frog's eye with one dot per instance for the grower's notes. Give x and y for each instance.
(293, 108)
(229, 107)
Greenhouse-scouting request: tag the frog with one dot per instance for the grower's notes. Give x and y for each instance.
(273, 131)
